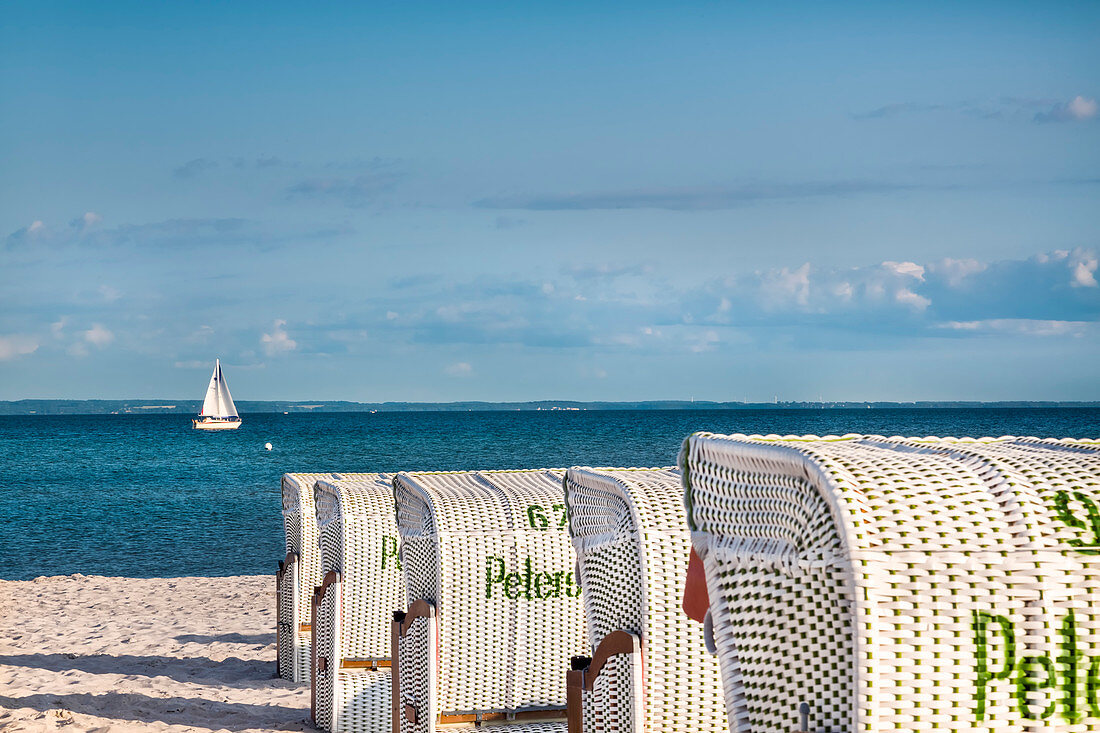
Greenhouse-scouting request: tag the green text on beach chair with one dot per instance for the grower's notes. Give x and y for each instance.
(362, 583)
(916, 584)
(299, 572)
(494, 610)
(650, 670)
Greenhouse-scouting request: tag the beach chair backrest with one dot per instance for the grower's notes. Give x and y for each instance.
(490, 552)
(358, 539)
(361, 584)
(901, 583)
(631, 537)
(299, 572)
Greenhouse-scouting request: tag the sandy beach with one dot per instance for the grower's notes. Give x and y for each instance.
(90, 653)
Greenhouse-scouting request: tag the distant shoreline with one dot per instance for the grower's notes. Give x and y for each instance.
(191, 407)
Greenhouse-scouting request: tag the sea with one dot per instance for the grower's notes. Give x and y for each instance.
(147, 496)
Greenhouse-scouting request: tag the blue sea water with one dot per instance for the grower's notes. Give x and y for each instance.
(147, 496)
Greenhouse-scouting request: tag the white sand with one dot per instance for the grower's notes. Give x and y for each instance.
(87, 653)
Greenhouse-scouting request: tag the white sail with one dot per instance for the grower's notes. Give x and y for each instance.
(224, 398)
(210, 407)
(218, 401)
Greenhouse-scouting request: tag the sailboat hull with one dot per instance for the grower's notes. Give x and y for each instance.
(215, 424)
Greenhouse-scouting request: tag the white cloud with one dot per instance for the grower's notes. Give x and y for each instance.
(36, 227)
(278, 341)
(955, 272)
(705, 341)
(843, 290)
(98, 336)
(109, 294)
(912, 269)
(86, 221)
(907, 297)
(782, 287)
(57, 328)
(1082, 109)
(459, 369)
(14, 346)
(1084, 272)
(391, 316)
(1075, 110)
(1022, 326)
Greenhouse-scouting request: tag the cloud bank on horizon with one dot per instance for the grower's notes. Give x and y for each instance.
(390, 203)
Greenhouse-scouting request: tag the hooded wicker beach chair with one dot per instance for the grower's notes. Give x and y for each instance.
(494, 610)
(901, 584)
(352, 607)
(299, 572)
(650, 669)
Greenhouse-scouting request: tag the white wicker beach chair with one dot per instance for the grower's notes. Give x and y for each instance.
(299, 572)
(361, 585)
(650, 670)
(494, 610)
(898, 584)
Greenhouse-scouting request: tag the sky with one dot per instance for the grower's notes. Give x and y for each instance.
(520, 201)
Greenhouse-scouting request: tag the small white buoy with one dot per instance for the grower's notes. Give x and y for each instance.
(267, 446)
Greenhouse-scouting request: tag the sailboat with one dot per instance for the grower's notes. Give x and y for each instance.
(218, 410)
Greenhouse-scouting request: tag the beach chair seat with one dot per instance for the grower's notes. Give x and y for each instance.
(298, 573)
(352, 606)
(650, 670)
(363, 702)
(916, 584)
(494, 610)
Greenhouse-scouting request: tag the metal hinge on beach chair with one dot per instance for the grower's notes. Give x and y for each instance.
(803, 718)
(586, 670)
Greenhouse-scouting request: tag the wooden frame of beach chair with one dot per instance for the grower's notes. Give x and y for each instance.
(650, 670)
(298, 573)
(917, 584)
(362, 583)
(494, 611)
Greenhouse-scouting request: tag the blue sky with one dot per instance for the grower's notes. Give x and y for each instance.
(572, 200)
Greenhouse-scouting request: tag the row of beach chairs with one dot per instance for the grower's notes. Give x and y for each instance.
(768, 583)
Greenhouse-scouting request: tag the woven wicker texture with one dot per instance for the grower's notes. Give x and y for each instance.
(490, 551)
(358, 540)
(910, 584)
(293, 596)
(632, 541)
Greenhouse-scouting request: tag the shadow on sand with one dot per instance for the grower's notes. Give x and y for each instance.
(227, 638)
(184, 711)
(199, 670)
